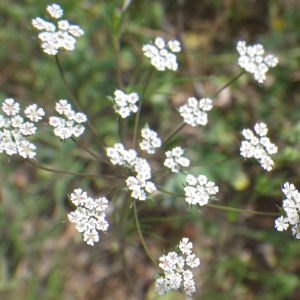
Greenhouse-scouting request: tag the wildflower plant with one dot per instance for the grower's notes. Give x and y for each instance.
(258, 147)
(133, 160)
(14, 129)
(89, 215)
(161, 58)
(125, 104)
(194, 112)
(175, 160)
(199, 190)
(290, 210)
(252, 60)
(176, 272)
(55, 36)
(70, 124)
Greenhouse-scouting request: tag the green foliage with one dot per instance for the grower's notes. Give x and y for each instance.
(243, 256)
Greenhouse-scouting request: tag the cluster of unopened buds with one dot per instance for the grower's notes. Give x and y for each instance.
(199, 190)
(89, 215)
(71, 124)
(160, 57)
(291, 210)
(194, 112)
(13, 128)
(175, 160)
(258, 147)
(174, 269)
(252, 60)
(53, 38)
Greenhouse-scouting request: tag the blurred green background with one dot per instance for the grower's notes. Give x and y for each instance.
(42, 256)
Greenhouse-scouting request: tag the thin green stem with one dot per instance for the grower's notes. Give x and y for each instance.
(173, 133)
(237, 210)
(253, 212)
(137, 118)
(74, 100)
(116, 47)
(228, 84)
(141, 235)
(121, 240)
(69, 173)
(217, 93)
(90, 152)
(210, 163)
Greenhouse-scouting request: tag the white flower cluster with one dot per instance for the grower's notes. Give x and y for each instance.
(89, 215)
(173, 266)
(138, 184)
(52, 38)
(160, 57)
(65, 128)
(199, 189)
(258, 147)
(150, 140)
(251, 59)
(13, 129)
(194, 113)
(174, 159)
(125, 103)
(291, 207)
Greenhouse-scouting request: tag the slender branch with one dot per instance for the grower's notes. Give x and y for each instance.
(121, 240)
(69, 173)
(237, 210)
(90, 152)
(137, 118)
(166, 170)
(74, 100)
(141, 235)
(115, 41)
(253, 212)
(174, 132)
(216, 94)
(210, 163)
(228, 84)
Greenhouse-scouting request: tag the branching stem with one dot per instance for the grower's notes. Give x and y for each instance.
(69, 173)
(137, 118)
(141, 235)
(90, 152)
(237, 210)
(75, 102)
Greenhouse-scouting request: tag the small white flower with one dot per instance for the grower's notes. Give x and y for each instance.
(75, 30)
(33, 113)
(185, 246)
(261, 129)
(193, 261)
(174, 46)
(10, 107)
(55, 11)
